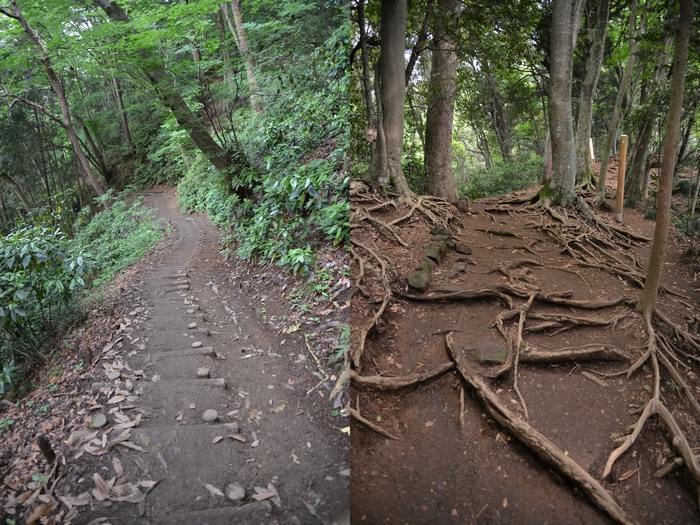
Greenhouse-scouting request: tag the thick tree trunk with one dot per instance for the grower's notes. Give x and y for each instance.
(366, 81)
(170, 98)
(241, 37)
(392, 93)
(584, 169)
(441, 98)
(561, 126)
(647, 300)
(621, 94)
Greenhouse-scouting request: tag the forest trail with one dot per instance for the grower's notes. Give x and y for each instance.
(447, 468)
(267, 433)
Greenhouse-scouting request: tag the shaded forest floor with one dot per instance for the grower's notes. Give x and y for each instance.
(443, 459)
(124, 402)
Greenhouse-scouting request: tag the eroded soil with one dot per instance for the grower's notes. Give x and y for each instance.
(438, 471)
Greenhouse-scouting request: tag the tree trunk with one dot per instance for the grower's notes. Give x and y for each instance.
(421, 41)
(57, 88)
(17, 189)
(647, 300)
(241, 37)
(499, 119)
(441, 99)
(170, 98)
(366, 82)
(686, 137)
(584, 169)
(561, 126)
(392, 93)
(123, 117)
(621, 93)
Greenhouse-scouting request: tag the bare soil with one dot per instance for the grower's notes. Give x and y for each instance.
(441, 471)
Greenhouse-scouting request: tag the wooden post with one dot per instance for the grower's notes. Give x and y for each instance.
(621, 169)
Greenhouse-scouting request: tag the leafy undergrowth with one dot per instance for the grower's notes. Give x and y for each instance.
(48, 280)
(293, 159)
(503, 177)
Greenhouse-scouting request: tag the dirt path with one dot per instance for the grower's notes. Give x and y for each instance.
(267, 433)
(443, 470)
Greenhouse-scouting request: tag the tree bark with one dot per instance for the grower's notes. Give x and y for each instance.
(17, 189)
(219, 157)
(241, 37)
(441, 101)
(621, 94)
(499, 119)
(647, 300)
(57, 87)
(561, 126)
(392, 89)
(421, 41)
(366, 82)
(584, 169)
(123, 117)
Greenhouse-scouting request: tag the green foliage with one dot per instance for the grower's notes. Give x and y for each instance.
(119, 235)
(40, 272)
(504, 177)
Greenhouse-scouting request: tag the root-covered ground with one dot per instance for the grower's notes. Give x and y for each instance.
(501, 373)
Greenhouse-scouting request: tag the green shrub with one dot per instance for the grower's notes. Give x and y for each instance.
(119, 235)
(502, 178)
(39, 275)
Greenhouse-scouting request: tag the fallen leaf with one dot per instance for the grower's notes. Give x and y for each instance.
(213, 490)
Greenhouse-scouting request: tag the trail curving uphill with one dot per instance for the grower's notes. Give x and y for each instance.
(225, 429)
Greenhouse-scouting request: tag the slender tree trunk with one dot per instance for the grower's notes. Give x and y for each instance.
(17, 189)
(392, 93)
(561, 126)
(686, 137)
(219, 157)
(584, 169)
(123, 117)
(621, 93)
(421, 41)
(57, 88)
(647, 300)
(241, 37)
(499, 119)
(441, 98)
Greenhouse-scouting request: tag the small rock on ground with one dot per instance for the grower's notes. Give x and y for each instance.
(210, 415)
(235, 492)
(203, 373)
(196, 344)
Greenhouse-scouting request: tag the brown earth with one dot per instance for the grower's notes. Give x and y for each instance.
(273, 434)
(439, 472)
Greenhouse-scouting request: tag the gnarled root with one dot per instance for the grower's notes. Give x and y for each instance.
(537, 442)
(398, 382)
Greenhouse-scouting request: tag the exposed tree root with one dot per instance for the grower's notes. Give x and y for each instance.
(461, 295)
(398, 382)
(536, 442)
(381, 226)
(357, 354)
(591, 352)
(562, 322)
(372, 426)
(655, 406)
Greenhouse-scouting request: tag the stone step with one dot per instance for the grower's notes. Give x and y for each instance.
(183, 458)
(164, 401)
(184, 352)
(248, 514)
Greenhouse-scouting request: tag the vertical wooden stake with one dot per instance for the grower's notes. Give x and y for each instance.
(621, 169)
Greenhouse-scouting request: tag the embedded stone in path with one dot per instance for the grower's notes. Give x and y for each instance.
(192, 326)
(463, 247)
(203, 373)
(235, 491)
(98, 421)
(197, 344)
(210, 415)
(190, 311)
